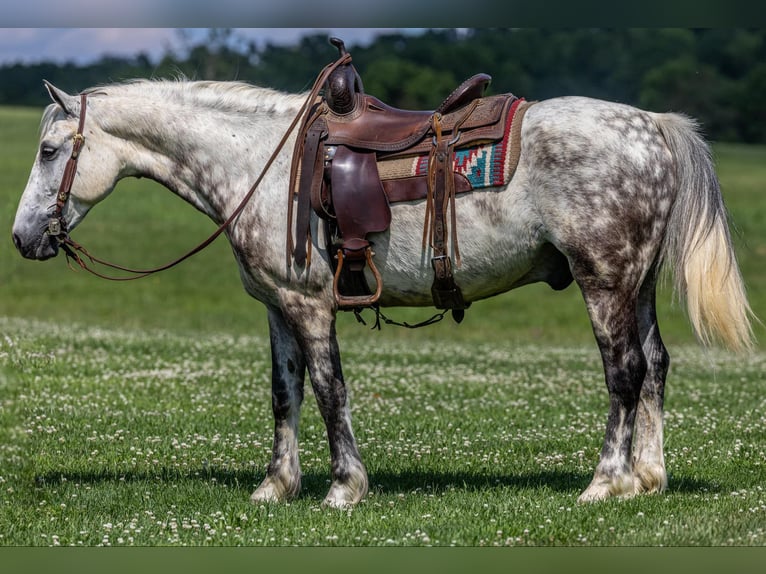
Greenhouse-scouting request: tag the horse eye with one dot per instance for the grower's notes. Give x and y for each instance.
(47, 152)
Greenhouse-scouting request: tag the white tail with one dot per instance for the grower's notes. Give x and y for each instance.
(698, 244)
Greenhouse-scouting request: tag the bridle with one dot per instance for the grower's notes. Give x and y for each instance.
(57, 225)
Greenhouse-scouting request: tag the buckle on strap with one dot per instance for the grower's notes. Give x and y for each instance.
(77, 141)
(441, 259)
(55, 228)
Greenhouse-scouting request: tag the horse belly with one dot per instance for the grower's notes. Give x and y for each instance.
(497, 240)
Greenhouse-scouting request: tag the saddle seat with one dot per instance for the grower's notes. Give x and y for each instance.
(374, 125)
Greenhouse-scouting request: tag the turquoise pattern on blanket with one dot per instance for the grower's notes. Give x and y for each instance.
(472, 163)
(483, 165)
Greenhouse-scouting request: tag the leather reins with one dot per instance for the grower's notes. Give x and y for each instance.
(57, 226)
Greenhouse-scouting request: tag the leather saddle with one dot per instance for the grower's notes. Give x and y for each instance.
(345, 136)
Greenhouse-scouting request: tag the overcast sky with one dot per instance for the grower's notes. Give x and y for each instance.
(84, 45)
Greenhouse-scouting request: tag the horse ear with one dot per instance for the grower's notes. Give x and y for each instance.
(70, 104)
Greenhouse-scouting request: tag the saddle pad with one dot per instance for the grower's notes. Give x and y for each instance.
(489, 164)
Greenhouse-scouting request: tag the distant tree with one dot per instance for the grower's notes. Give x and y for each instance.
(751, 104)
(715, 75)
(404, 84)
(687, 86)
(292, 68)
(733, 52)
(221, 56)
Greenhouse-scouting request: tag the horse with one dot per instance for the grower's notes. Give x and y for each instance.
(604, 194)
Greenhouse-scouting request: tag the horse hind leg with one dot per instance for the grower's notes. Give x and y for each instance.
(283, 476)
(648, 457)
(613, 316)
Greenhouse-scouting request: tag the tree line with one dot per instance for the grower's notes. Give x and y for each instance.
(717, 76)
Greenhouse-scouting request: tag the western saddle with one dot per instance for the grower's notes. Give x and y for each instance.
(343, 138)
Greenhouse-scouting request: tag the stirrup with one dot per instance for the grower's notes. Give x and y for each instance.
(357, 300)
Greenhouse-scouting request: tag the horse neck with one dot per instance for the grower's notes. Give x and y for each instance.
(208, 155)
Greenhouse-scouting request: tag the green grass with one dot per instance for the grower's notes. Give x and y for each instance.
(147, 438)
(139, 413)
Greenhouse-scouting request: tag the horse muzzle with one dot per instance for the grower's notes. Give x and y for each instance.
(43, 246)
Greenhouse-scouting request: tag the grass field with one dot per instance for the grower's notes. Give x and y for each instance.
(139, 414)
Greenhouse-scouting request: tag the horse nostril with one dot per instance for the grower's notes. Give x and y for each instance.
(17, 241)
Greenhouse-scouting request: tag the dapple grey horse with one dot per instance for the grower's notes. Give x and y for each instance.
(604, 194)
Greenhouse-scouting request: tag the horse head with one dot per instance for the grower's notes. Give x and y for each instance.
(95, 172)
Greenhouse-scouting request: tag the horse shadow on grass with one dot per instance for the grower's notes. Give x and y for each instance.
(382, 482)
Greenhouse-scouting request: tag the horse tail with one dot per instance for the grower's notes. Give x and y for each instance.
(698, 245)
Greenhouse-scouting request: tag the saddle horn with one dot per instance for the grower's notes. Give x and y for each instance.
(343, 84)
(338, 43)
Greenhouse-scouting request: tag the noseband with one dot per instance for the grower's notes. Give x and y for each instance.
(57, 226)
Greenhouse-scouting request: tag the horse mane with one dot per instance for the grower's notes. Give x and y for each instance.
(220, 95)
(227, 96)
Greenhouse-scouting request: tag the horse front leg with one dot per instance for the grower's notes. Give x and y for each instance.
(288, 370)
(614, 323)
(314, 327)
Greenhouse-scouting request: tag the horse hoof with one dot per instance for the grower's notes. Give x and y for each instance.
(275, 490)
(650, 479)
(342, 498)
(346, 495)
(603, 488)
(341, 501)
(593, 494)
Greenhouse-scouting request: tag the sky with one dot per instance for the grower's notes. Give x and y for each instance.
(83, 30)
(226, 13)
(85, 45)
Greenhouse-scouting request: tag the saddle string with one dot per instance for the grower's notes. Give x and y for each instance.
(72, 249)
(428, 227)
(451, 184)
(430, 222)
